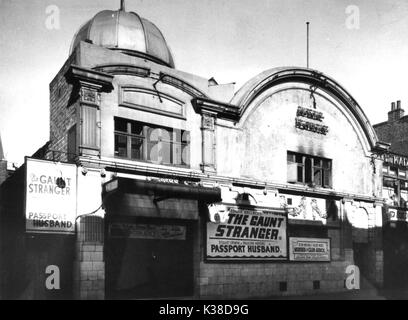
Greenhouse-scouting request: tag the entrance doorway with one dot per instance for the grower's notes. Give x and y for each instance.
(396, 255)
(149, 259)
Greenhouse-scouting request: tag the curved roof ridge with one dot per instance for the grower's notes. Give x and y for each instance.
(268, 78)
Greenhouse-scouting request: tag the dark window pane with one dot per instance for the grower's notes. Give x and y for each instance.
(317, 177)
(327, 178)
(317, 162)
(120, 145)
(137, 128)
(72, 145)
(300, 174)
(308, 170)
(291, 157)
(137, 148)
(326, 164)
(299, 159)
(120, 125)
(393, 171)
(389, 182)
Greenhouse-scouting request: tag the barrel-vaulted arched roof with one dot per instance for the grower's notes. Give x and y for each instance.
(272, 77)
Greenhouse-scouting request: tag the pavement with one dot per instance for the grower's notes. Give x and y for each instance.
(362, 294)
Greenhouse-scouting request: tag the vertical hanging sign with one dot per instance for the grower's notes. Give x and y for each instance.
(50, 196)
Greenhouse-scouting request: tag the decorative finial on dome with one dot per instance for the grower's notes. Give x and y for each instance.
(122, 5)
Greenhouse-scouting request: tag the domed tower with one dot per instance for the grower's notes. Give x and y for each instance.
(126, 32)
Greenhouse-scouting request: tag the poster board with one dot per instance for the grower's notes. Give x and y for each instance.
(247, 234)
(50, 196)
(309, 249)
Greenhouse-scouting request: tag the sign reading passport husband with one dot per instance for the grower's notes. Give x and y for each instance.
(247, 235)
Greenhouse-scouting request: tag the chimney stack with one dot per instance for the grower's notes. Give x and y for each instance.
(396, 112)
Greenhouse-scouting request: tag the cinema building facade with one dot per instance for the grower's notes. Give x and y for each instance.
(180, 187)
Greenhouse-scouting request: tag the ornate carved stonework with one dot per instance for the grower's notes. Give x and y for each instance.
(208, 122)
(89, 96)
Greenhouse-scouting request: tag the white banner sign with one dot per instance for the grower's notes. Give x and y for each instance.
(309, 249)
(50, 196)
(247, 235)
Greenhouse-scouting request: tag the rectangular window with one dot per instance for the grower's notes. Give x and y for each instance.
(309, 170)
(392, 171)
(72, 144)
(141, 141)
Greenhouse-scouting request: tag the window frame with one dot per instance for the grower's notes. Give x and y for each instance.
(394, 181)
(176, 146)
(308, 166)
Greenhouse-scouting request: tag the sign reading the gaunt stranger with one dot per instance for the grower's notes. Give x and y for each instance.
(247, 235)
(50, 196)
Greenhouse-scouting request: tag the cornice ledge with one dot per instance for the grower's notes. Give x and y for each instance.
(99, 79)
(220, 109)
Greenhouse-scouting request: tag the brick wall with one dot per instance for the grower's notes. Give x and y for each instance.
(89, 266)
(62, 111)
(257, 280)
(395, 133)
(89, 271)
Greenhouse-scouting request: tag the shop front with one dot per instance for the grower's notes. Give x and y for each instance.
(151, 237)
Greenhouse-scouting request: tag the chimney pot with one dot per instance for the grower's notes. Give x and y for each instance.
(399, 104)
(392, 106)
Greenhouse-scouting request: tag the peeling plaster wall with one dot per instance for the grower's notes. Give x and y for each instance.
(258, 145)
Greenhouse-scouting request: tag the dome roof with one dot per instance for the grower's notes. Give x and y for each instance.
(127, 32)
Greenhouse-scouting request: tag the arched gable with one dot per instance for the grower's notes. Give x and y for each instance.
(277, 76)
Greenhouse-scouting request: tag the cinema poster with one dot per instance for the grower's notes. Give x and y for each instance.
(309, 249)
(247, 235)
(50, 196)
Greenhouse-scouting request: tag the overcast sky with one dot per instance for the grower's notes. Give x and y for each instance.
(231, 40)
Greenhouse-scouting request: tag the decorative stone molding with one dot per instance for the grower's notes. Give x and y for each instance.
(90, 96)
(208, 122)
(208, 145)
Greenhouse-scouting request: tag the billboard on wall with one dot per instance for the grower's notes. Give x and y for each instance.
(247, 234)
(50, 196)
(309, 249)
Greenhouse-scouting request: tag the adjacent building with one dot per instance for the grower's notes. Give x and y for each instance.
(395, 193)
(160, 183)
